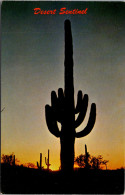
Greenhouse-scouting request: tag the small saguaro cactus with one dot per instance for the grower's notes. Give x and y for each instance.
(63, 109)
(47, 161)
(39, 165)
(87, 155)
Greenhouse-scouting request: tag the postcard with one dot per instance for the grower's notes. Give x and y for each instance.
(62, 97)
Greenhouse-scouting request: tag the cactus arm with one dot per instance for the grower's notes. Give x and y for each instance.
(57, 104)
(79, 102)
(60, 93)
(83, 111)
(38, 165)
(90, 124)
(61, 98)
(54, 99)
(51, 121)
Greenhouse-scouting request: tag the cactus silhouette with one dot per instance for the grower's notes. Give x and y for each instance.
(47, 161)
(87, 155)
(63, 109)
(39, 165)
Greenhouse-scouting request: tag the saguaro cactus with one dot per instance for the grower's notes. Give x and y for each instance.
(47, 161)
(63, 109)
(39, 165)
(87, 155)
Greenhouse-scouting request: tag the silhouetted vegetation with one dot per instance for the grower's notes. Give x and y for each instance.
(63, 110)
(90, 162)
(26, 179)
(9, 159)
(96, 162)
(29, 165)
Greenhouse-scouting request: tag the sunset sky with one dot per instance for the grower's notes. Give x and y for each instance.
(32, 66)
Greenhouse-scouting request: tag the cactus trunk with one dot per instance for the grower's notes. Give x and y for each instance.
(39, 165)
(68, 129)
(47, 161)
(63, 109)
(87, 155)
(67, 153)
(40, 160)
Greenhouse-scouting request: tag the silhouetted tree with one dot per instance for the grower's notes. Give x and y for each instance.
(9, 159)
(92, 162)
(63, 109)
(80, 160)
(30, 165)
(96, 162)
(105, 163)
